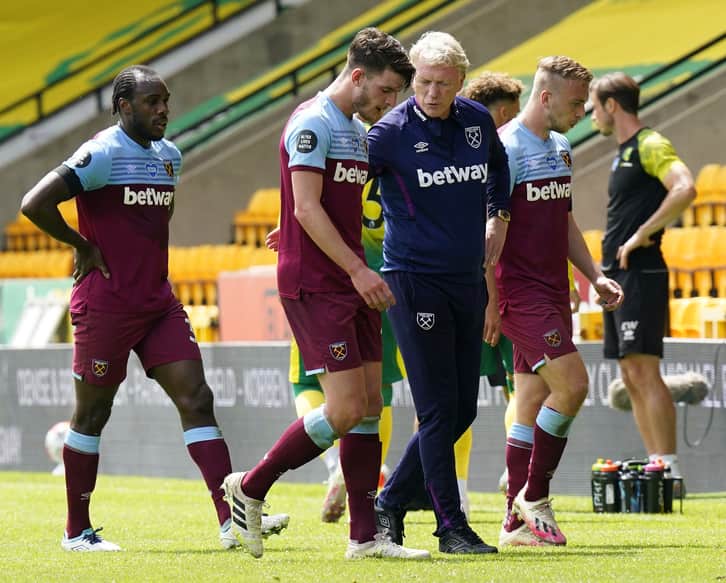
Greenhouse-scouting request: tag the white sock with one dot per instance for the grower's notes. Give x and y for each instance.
(331, 457)
(671, 460)
(463, 495)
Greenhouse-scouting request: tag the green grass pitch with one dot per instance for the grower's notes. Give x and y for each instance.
(168, 532)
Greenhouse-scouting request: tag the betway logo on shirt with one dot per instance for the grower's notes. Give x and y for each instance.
(149, 197)
(354, 175)
(452, 175)
(551, 191)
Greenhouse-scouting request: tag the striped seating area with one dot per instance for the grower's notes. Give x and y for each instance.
(696, 257)
(311, 66)
(698, 317)
(96, 33)
(664, 32)
(193, 271)
(22, 235)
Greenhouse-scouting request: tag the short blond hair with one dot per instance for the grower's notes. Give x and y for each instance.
(439, 48)
(562, 68)
(490, 87)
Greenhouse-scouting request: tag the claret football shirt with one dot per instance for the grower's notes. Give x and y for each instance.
(124, 193)
(320, 138)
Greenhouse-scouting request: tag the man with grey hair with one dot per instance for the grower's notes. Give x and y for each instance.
(534, 301)
(444, 184)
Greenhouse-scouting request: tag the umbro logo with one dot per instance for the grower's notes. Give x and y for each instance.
(421, 147)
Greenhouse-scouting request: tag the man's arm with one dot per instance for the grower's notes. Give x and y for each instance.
(681, 193)
(498, 199)
(611, 295)
(40, 205)
(307, 189)
(492, 317)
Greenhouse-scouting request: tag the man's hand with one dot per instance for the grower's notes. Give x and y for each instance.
(610, 292)
(273, 239)
(638, 239)
(372, 289)
(495, 235)
(86, 258)
(492, 324)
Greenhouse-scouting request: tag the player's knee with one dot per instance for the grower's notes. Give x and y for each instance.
(636, 374)
(375, 406)
(197, 402)
(578, 387)
(343, 419)
(92, 420)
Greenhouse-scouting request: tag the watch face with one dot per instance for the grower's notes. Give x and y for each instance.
(504, 215)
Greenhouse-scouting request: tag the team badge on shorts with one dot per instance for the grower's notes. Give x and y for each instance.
(99, 367)
(553, 338)
(566, 158)
(425, 320)
(473, 136)
(338, 350)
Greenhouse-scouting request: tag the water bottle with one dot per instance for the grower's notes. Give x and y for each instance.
(604, 485)
(630, 486)
(653, 487)
(629, 491)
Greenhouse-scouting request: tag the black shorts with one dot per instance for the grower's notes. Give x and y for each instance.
(638, 326)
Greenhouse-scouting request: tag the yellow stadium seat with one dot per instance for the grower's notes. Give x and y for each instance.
(706, 182)
(265, 202)
(204, 321)
(210, 292)
(679, 252)
(259, 218)
(707, 195)
(184, 292)
(719, 198)
(710, 254)
(669, 247)
(263, 256)
(695, 317)
(713, 318)
(591, 324)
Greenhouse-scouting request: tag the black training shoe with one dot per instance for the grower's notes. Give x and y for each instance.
(462, 540)
(389, 523)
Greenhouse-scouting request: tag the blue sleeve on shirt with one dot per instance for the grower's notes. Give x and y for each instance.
(512, 156)
(307, 141)
(499, 184)
(91, 163)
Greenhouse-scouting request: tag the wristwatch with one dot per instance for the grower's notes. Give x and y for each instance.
(504, 215)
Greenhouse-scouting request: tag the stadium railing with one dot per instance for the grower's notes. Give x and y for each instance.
(664, 81)
(35, 107)
(321, 62)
